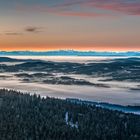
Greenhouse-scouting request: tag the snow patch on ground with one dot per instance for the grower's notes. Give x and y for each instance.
(70, 123)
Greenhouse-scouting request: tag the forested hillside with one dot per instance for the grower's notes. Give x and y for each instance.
(30, 117)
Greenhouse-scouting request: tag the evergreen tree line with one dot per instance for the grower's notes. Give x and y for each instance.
(30, 117)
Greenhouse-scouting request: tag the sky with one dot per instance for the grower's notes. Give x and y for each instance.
(41, 25)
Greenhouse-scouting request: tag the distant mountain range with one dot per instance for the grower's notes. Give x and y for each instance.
(68, 53)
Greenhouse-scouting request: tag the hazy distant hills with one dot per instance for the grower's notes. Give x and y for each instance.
(69, 53)
(7, 59)
(120, 69)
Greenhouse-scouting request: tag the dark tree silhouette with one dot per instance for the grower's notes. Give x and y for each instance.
(30, 117)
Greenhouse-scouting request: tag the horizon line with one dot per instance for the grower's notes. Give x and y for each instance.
(41, 51)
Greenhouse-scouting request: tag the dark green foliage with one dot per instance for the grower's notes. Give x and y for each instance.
(26, 117)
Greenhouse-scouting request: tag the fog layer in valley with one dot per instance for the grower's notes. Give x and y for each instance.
(105, 79)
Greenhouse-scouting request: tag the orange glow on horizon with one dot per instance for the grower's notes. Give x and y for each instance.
(78, 48)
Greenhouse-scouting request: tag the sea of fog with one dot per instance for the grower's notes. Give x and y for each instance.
(77, 59)
(117, 94)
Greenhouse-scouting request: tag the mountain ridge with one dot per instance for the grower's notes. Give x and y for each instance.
(69, 53)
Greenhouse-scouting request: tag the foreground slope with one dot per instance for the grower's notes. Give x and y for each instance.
(23, 116)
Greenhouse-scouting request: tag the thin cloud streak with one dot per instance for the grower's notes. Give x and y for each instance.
(128, 7)
(82, 14)
(33, 29)
(29, 29)
(13, 34)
